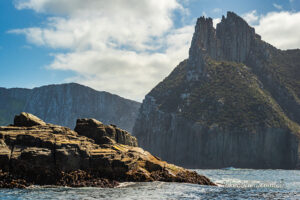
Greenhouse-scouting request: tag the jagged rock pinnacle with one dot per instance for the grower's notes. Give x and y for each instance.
(231, 40)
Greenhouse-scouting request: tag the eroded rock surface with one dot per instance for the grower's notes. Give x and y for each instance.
(48, 154)
(104, 134)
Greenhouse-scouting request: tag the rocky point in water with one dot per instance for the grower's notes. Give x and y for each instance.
(33, 152)
(234, 102)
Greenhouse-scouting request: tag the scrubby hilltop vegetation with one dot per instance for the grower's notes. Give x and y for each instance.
(228, 96)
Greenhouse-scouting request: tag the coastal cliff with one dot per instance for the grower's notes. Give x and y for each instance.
(33, 152)
(63, 104)
(233, 102)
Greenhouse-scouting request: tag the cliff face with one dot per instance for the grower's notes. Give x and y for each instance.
(233, 102)
(12, 101)
(63, 104)
(234, 40)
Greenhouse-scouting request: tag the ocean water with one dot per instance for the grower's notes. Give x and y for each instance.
(233, 184)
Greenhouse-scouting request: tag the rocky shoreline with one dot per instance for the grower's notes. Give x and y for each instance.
(77, 178)
(33, 152)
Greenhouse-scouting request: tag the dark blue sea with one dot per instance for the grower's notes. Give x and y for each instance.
(233, 184)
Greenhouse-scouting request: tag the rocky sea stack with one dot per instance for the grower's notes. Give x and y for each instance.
(234, 102)
(33, 152)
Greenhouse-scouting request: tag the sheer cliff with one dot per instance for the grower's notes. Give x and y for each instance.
(233, 102)
(63, 104)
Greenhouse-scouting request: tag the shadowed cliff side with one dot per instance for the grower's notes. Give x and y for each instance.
(63, 104)
(233, 102)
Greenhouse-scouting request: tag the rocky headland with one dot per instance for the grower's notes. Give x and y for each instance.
(234, 102)
(33, 152)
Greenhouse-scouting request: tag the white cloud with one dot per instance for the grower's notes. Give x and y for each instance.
(279, 7)
(127, 73)
(94, 22)
(216, 21)
(26, 47)
(280, 29)
(217, 10)
(123, 47)
(127, 47)
(251, 17)
(184, 2)
(75, 7)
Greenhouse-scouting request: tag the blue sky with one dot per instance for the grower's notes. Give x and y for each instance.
(124, 47)
(21, 63)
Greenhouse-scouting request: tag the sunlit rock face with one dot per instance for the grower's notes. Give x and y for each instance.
(33, 152)
(234, 102)
(63, 104)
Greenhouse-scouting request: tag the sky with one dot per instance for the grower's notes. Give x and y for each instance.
(124, 47)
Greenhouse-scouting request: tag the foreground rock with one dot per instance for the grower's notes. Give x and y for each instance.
(103, 134)
(47, 154)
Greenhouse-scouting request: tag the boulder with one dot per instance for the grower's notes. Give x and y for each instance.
(104, 134)
(26, 119)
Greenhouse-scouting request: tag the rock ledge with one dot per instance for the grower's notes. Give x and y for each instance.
(35, 153)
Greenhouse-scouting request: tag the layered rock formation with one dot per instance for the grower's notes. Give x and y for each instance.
(234, 102)
(33, 152)
(103, 134)
(63, 104)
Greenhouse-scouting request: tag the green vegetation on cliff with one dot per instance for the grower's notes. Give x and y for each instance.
(233, 102)
(285, 67)
(227, 95)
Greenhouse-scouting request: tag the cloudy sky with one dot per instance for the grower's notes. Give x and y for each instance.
(121, 46)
